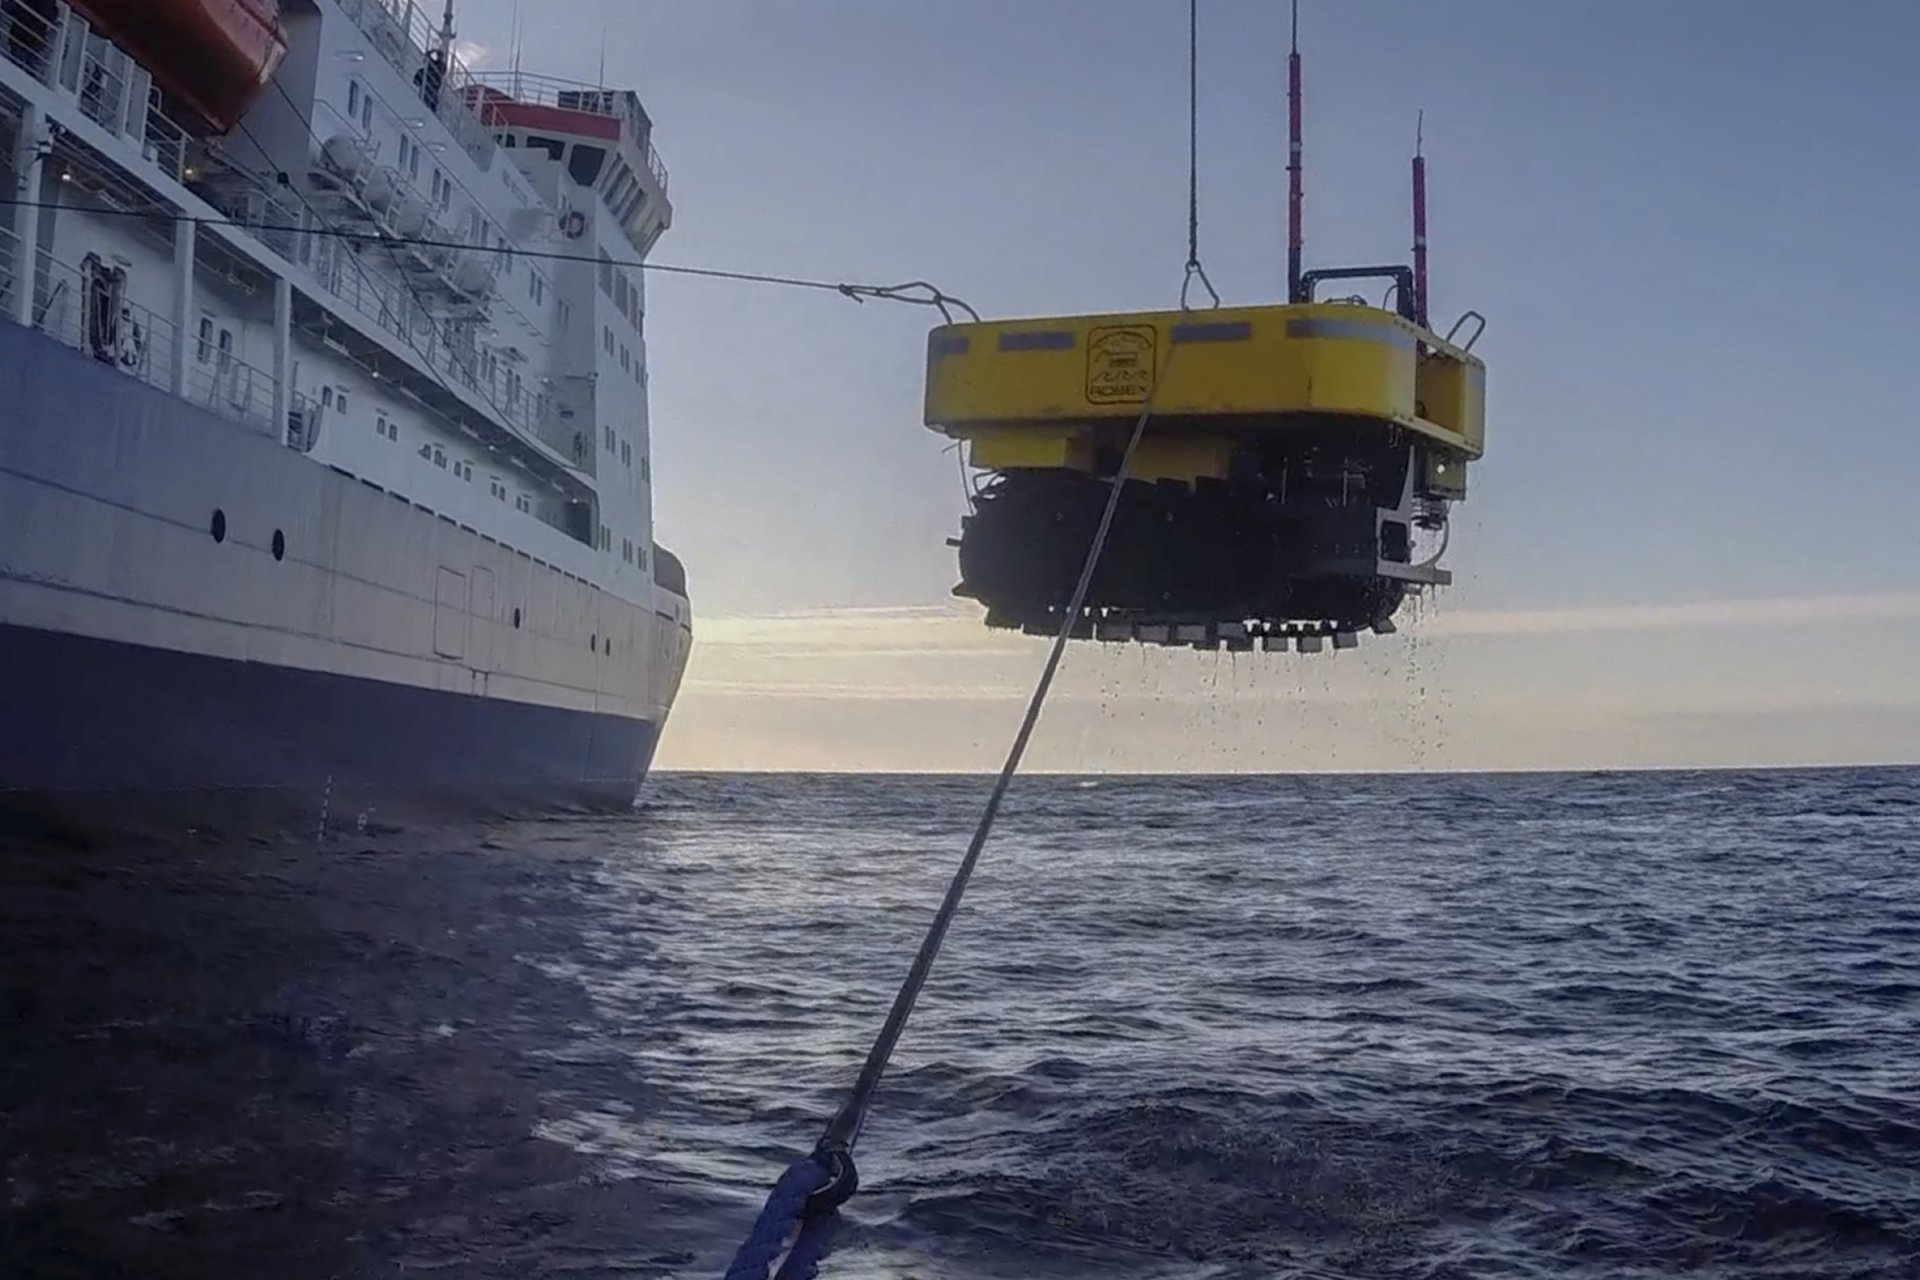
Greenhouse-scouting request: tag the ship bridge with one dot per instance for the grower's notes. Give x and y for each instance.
(603, 137)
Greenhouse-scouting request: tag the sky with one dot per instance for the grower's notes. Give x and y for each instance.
(1689, 225)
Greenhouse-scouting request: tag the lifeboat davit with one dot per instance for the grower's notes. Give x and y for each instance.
(212, 57)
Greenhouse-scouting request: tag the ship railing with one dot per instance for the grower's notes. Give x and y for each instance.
(30, 39)
(372, 284)
(405, 35)
(9, 270)
(138, 342)
(111, 90)
(167, 144)
(568, 95)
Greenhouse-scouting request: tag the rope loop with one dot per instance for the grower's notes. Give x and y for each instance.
(1197, 272)
(806, 1199)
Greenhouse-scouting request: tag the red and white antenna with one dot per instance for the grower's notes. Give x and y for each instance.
(1295, 200)
(1420, 222)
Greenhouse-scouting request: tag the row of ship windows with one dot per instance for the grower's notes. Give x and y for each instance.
(630, 551)
(624, 294)
(387, 429)
(629, 362)
(613, 444)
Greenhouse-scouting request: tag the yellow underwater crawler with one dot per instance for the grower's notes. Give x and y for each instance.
(1292, 456)
(1293, 479)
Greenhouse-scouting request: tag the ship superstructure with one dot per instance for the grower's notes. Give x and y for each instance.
(325, 464)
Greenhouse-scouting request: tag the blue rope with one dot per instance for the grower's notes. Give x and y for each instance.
(785, 1210)
(811, 1248)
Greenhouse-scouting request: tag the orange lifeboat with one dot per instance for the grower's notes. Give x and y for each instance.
(212, 57)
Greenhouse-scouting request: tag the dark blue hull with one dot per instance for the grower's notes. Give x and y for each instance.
(93, 729)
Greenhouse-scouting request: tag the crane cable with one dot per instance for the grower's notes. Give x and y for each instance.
(808, 1195)
(1194, 269)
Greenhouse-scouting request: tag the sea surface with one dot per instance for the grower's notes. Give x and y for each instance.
(1519, 1026)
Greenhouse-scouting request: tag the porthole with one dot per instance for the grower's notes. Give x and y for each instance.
(593, 643)
(219, 527)
(279, 545)
(516, 619)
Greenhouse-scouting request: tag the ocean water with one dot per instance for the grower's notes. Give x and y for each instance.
(1545, 1026)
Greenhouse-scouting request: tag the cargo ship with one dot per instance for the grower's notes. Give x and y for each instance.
(325, 463)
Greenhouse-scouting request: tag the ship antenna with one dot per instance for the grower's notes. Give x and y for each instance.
(1295, 201)
(446, 35)
(1420, 221)
(603, 56)
(518, 34)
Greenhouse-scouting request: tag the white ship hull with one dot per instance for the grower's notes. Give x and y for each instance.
(325, 461)
(375, 660)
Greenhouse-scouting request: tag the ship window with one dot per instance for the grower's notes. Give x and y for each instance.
(552, 146)
(326, 397)
(606, 274)
(206, 339)
(585, 163)
(516, 619)
(340, 402)
(626, 453)
(626, 360)
(353, 99)
(644, 471)
(279, 545)
(226, 349)
(366, 111)
(439, 457)
(219, 526)
(640, 556)
(620, 187)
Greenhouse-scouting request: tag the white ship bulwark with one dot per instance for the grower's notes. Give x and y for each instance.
(314, 490)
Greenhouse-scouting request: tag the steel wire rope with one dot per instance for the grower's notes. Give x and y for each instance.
(918, 293)
(1194, 269)
(809, 1194)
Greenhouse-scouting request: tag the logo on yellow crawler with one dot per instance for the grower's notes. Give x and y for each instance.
(1120, 362)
